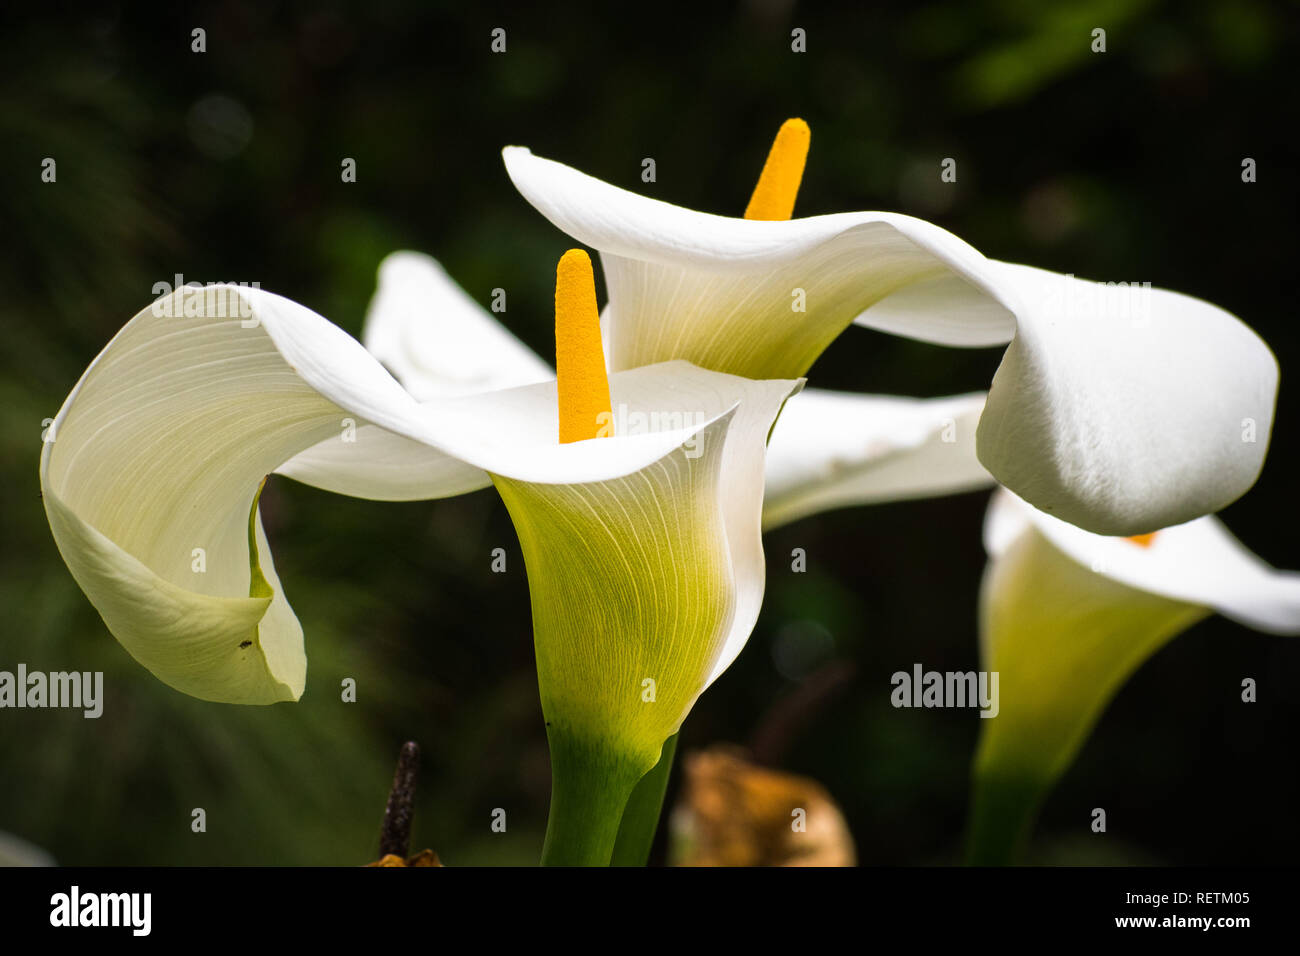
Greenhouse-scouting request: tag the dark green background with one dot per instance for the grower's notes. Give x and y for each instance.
(1123, 166)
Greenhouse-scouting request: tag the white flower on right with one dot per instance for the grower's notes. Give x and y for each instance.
(1067, 617)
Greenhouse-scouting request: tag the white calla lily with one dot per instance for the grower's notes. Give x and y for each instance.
(151, 482)
(1066, 618)
(1119, 409)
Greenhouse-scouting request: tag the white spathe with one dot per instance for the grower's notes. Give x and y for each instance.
(436, 340)
(151, 480)
(1118, 409)
(838, 449)
(1199, 562)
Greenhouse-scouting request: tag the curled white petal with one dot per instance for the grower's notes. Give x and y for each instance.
(835, 449)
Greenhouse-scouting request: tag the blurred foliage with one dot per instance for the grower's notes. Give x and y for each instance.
(225, 166)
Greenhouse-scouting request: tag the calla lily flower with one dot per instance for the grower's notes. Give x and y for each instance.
(1121, 409)
(1066, 618)
(642, 542)
(158, 455)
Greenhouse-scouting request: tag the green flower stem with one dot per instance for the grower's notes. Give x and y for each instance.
(590, 787)
(1002, 816)
(636, 834)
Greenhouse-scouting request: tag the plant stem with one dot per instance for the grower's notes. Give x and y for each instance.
(636, 834)
(1002, 816)
(395, 836)
(589, 789)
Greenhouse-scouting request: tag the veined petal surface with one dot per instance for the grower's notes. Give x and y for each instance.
(645, 587)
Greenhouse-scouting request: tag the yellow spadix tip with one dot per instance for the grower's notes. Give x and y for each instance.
(1144, 540)
(582, 387)
(778, 183)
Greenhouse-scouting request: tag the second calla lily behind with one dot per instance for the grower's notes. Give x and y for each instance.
(1119, 408)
